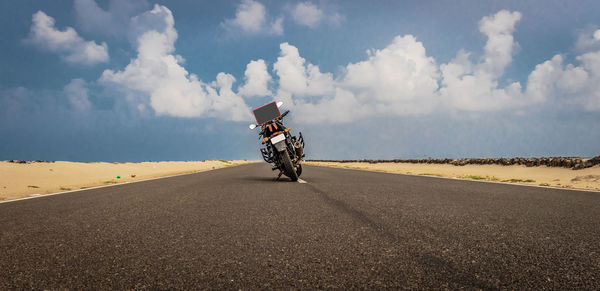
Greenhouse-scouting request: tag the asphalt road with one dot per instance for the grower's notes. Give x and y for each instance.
(235, 228)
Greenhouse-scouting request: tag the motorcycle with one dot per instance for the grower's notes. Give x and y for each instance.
(284, 150)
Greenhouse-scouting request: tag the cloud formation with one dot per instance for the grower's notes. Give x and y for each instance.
(298, 77)
(257, 80)
(157, 77)
(307, 14)
(67, 43)
(251, 18)
(77, 94)
(589, 41)
(401, 79)
(472, 86)
(567, 84)
(310, 15)
(397, 80)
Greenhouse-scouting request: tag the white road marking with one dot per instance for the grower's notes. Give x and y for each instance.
(302, 181)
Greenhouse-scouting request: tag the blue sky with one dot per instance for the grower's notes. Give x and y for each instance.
(91, 80)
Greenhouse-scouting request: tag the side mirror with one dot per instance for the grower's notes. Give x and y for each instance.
(279, 103)
(252, 126)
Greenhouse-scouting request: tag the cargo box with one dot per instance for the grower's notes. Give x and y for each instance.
(266, 113)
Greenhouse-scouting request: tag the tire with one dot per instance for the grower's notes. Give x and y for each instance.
(289, 167)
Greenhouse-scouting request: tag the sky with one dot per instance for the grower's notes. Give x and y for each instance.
(142, 80)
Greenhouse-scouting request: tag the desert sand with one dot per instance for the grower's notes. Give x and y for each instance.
(39, 178)
(587, 179)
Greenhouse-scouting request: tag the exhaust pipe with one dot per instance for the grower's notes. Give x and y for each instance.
(299, 150)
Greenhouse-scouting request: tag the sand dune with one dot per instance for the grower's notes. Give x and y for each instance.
(588, 179)
(22, 180)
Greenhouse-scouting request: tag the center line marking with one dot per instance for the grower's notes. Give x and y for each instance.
(301, 181)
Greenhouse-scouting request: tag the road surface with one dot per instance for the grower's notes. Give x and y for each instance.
(235, 228)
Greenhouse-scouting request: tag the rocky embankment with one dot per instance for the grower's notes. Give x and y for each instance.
(28, 162)
(574, 163)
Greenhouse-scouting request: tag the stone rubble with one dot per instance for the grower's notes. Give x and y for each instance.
(575, 163)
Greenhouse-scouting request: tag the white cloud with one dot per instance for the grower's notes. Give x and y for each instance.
(311, 94)
(310, 15)
(307, 14)
(398, 80)
(298, 78)
(588, 41)
(156, 76)
(225, 103)
(251, 17)
(340, 107)
(474, 86)
(499, 46)
(401, 79)
(569, 84)
(66, 43)
(552, 81)
(257, 80)
(276, 26)
(77, 94)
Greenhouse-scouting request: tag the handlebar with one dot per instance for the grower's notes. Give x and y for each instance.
(284, 114)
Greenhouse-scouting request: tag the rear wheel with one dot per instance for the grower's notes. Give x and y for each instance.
(290, 171)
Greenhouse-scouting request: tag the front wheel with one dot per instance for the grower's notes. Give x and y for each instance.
(289, 167)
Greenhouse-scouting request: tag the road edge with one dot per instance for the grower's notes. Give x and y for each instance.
(460, 179)
(112, 185)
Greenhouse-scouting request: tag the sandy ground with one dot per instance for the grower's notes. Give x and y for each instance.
(23, 180)
(588, 179)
